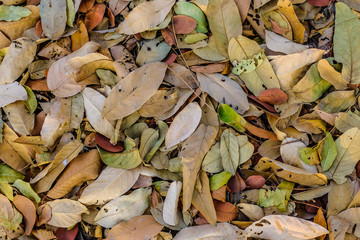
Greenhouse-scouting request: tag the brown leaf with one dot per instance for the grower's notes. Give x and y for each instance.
(43, 234)
(255, 181)
(273, 96)
(94, 16)
(38, 28)
(219, 194)
(86, 5)
(202, 198)
(64, 234)
(183, 24)
(266, 105)
(142, 227)
(27, 209)
(168, 36)
(111, 17)
(262, 133)
(84, 167)
(236, 184)
(211, 68)
(225, 211)
(80, 37)
(243, 6)
(142, 181)
(105, 143)
(320, 219)
(90, 141)
(44, 215)
(38, 85)
(39, 121)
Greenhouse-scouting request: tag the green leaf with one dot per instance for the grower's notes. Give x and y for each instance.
(269, 198)
(9, 175)
(7, 190)
(337, 101)
(31, 102)
(13, 13)
(311, 87)
(229, 151)
(191, 10)
(195, 37)
(224, 21)
(148, 140)
(26, 190)
(127, 159)
(219, 180)
(309, 155)
(347, 42)
(328, 152)
(232, 118)
(107, 77)
(348, 154)
(70, 10)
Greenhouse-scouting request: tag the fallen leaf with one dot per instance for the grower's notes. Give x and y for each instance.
(20, 118)
(230, 117)
(84, 167)
(183, 24)
(278, 43)
(193, 11)
(86, 5)
(43, 234)
(65, 234)
(134, 88)
(137, 228)
(145, 16)
(20, 54)
(212, 161)
(273, 96)
(13, 13)
(219, 180)
(255, 181)
(253, 212)
(192, 154)
(224, 90)
(183, 125)
(26, 190)
(225, 211)
(80, 37)
(328, 73)
(106, 186)
(284, 227)
(65, 213)
(94, 16)
(28, 210)
(225, 23)
(10, 217)
(11, 92)
(337, 101)
(53, 16)
(320, 219)
(229, 151)
(170, 212)
(339, 198)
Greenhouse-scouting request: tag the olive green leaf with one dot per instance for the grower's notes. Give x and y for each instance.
(219, 180)
(31, 102)
(337, 101)
(191, 10)
(232, 118)
(13, 13)
(328, 152)
(26, 190)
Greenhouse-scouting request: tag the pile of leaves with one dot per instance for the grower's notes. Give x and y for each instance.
(173, 119)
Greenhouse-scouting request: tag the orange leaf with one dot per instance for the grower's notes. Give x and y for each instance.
(28, 210)
(142, 227)
(183, 24)
(38, 29)
(86, 5)
(111, 17)
(169, 36)
(80, 37)
(273, 96)
(320, 219)
(262, 133)
(94, 16)
(225, 211)
(104, 143)
(219, 194)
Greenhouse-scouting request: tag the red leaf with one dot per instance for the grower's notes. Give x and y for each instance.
(236, 184)
(170, 59)
(183, 24)
(94, 16)
(273, 96)
(63, 234)
(105, 143)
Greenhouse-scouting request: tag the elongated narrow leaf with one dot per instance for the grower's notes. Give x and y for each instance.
(328, 152)
(229, 151)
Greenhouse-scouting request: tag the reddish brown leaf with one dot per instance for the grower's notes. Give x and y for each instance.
(319, 3)
(45, 215)
(90, 140)
(39, 121)
(38, 85)
(170, 59)
(94, 16)
(236, 184)
(210, 68)
(86, 5)
(255, 181)
(142, 227)
(33, 2)
(169, 36)
(273, 96)
(262, 133)
(357, 167)
(28, 210)
(111, 17)
(38, 28)
(219, 194)
(105, 143)
(64, 234)
(183, 24)
(277, 28)
(266, 105)
(225, 211)
(200, 220)
(143, 181)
